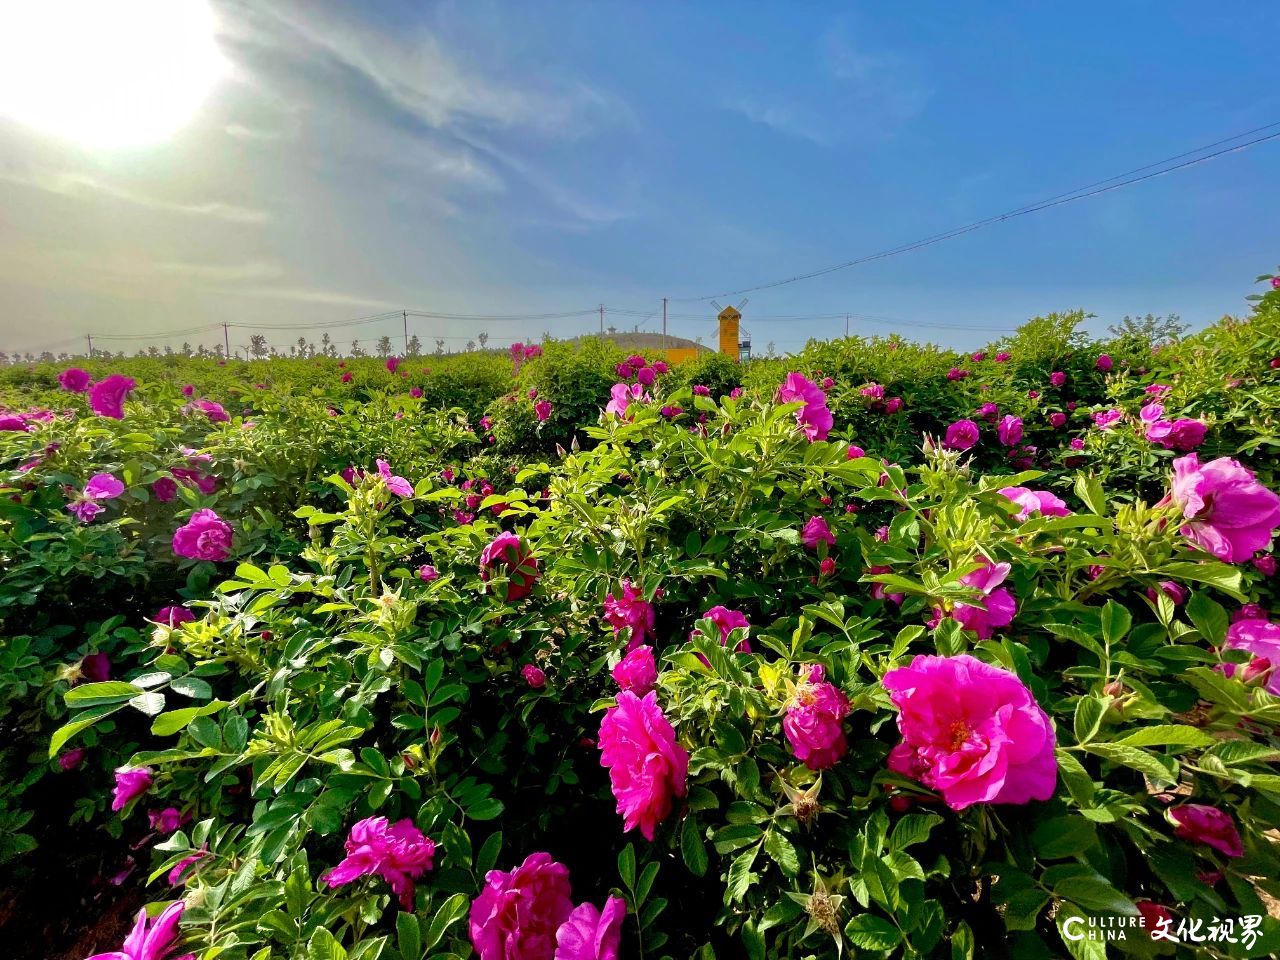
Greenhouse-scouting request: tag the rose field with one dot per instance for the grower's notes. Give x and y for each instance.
(561, 653)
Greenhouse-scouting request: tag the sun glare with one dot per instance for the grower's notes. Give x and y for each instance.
(106, 73)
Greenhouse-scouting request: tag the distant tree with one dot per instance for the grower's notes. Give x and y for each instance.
(4, 357)
(697, 340)
(1150, 330)
(471, 345)
(168, 350)
(153, 351)
(327, 349)
(141, 352)
(383, 346)
(439, 347)
(357, 350)
(64, 356)
(771, 349)
(302, 346)
(414, 348)
(483, 337)
(218, 352)
(257, 346)
(186, 349)
(46, 357)
(201, 350)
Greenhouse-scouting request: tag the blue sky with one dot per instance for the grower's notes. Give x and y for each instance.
(512, 157)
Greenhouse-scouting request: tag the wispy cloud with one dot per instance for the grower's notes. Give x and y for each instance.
(85, 187)
(851, 94)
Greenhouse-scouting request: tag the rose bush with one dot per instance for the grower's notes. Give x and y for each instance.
(785, 658)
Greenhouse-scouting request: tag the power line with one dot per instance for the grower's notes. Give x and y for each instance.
(1080, 193)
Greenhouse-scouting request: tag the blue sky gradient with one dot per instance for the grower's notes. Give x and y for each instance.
(498, 157)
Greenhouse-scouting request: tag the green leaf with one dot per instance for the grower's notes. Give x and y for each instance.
(1077, 780)
(782, 852)
(83, 721)
(1089, 490)
(627, 866)
(1225, 578)
(149, 703)
(1209, 617)
(93, 694)
(912, 829)
(1167, 734)
(408, 936)
(1063, 837)
(449, 913)
(323, 945)
(741, 876)
(872, 932)
(692, 847)
(1088, 717)
(1116, 621)
(192, 687)
(175, 720)
(1161, 769)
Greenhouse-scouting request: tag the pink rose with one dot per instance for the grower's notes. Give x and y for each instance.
(71, 759)
(1261, 638)
(648, 769)
(1174, 591)
(998, 604)
(1057, 378)
(1003, 356)
(1035, 502)
(814, 417)
(1104, 362)
(415, 392)
(206, 536)
(165, 489)
(533, 676)
(591, 934)
(131, 783)
(427, 573)
(151, 939)
(173, 616)
(955, 373)
(1228, 513)
(961, 435)
(1057, 419)
(393, 364)
(728, 620)
(517, 914)
(873, 390)
(854, 452)
(630, 611)
(214, 411)
(1201, 823)
(893, 405)
(508, 555)
(815, 532)
(814, 723)
(542, 409)
(396, 852)
(971, 731)
(74, 380)
(1010, 431)
(397, 485)
(1265, 565)
(107, 396)
(1106, 419)
(167, 820)
(637, 672)
(1180, 435)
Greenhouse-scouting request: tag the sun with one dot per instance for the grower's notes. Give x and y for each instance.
(106, 73)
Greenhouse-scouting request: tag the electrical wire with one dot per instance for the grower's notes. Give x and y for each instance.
(1081, 193)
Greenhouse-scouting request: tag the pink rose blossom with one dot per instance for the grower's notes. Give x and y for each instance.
(167, 820)
(95, 667)
(101, 486)
(971, 731)
(630, 611)
(728, 620)
(873, 390)
(71, 759)
(998, 605)
(1228, 513)
(214, 411)
(1174, 591)
(415, 392)
(1265, 565)
(827, 566)
(591, 934)
(814, 417)
(1057, 378)
(542, 410)
(1032, 502)
(814, 724)
(621, 397)
(189, 390)
(854, 452)
(179, 868)
(955, 373)
(107, 396)
(397, 485)
(1077, 443)
(173, 616)
(517, 914)
(533, 676)
(647, 767)
(1200, 823)
(961, 435)
(131, 783)
(1003, 356)
(346, 377)
(1157, 390)
(1010, 431)
(427, 573)
(1104, 362)
(1180, 435)
(396, 852)
(1106, 419)
(637, 672)
(507, 554)
(150, 939)
(206, 536)
(1057, 419)
(393, 364)
(1261, 638)
(74, 380)
(1151, 412)
(893, 405)
(815, 532)
(165, 489)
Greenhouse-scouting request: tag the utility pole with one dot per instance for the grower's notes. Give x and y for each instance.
(602, 319)
(846, 325)
(226, 341)
(664, 323)
(404, 314)
(90, 338)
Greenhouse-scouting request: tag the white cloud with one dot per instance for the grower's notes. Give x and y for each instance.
(82, 186)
